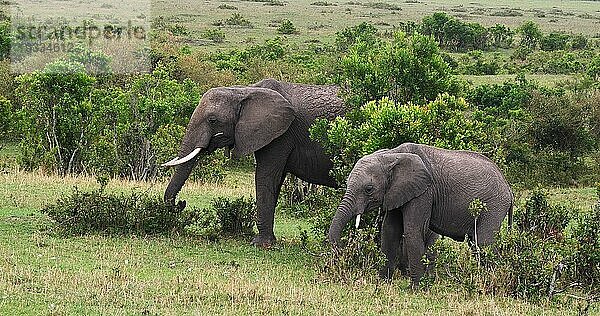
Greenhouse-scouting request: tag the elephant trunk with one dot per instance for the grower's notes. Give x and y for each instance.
(343, 215)
(181, 174)
(190, 151)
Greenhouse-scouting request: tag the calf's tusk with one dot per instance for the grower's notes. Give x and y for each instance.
(357, 220)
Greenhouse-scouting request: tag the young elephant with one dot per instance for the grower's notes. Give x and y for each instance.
(424, 188)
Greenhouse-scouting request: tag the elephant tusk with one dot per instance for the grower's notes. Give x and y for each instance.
(357, 220)
(187, 158)
(168, 163)
(218, 134)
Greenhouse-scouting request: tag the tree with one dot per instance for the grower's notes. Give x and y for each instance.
(531, 35)
(407, 69)
(501, 36)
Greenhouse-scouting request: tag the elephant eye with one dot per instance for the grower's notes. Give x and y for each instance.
(369, 188)
(212, 119)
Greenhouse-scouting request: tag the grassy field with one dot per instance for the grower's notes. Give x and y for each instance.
(44, 274)
(314, 21)
(322, 21)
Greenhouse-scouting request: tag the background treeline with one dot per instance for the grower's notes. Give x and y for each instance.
(75, 116)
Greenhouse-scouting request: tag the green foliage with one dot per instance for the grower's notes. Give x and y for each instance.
(363, 33)
(549, 254)
(554, 41)
(530, 33)
(70, 126)
(287, 27)
(214, 35)
(479, 65)
(456, 35)
(235, 19)
(541, 219)
(444, 122)
(500, 36)
(56, 112)
(227, 7)
(226, 217)
(408, 69)
(585, 259)
(6, 120)
(236, 216)
(94, 62)
(138, 213)
(99, 212)
(5, 39)
(579, 42)
(357, 259)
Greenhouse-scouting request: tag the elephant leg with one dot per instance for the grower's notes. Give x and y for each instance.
(391, 236)
(416, 215)
(269, 177)
(430, 254)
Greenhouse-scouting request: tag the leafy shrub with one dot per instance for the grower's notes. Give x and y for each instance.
(444, 122)
(478, 64)
(410, 68)
(454, 34)
(364, 33)
(225, 217)
(531, 35)
(585, 259)
(56, 112)
(5, 39)
(236, 216)
(357, 258)
(541, 219)
(235, 19)
(554, 41)
(6, 119)
(533, 263)
(287, 27)
(214, 35)
(579, 41)
(99, 212)
(227, 7)
(140, 213)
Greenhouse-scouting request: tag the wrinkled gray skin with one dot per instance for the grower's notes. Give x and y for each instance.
(424, 190)
(271, 120)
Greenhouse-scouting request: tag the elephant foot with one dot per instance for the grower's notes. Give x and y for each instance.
(263, 242)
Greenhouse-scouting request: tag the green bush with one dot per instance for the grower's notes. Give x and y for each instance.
(531, 262)
(554, 41)
(363, 33)
(235, 19)
(358, 258)
(138, 213)
(5, 39)
(236, 216)
(6, 120)
(287, 27)
(56, 113)
(445, 122)
(100, 212)
(541, 219)
(215, 35)
(407, 69)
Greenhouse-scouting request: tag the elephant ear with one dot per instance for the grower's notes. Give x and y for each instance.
(408, 178)
(264, 115)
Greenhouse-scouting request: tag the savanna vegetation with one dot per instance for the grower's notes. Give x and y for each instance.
(83, 228)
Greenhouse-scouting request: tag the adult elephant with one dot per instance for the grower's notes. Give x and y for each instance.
(270, 119)
(424, 189)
